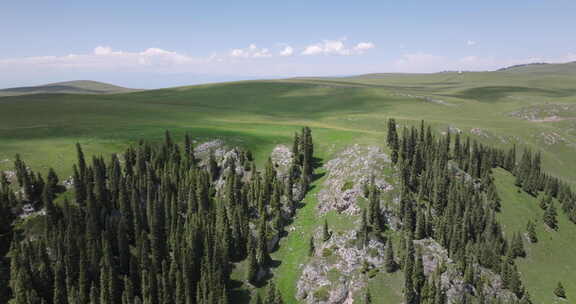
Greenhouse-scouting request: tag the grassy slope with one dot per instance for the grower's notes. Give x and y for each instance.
(551, 259)
(261, 114)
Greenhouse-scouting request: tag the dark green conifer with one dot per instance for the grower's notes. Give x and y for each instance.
(389, 261)
(311, 247)
(559, 291)
(550, 217)
(531, 230)
(325, 231)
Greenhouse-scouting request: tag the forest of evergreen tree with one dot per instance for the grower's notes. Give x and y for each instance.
(448, 194)
(152, 226)
(157, 225)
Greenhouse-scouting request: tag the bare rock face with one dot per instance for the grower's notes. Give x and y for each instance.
(337, 269)
(341, 264)
(347, 175)
(224, 156)
(282, 158)
(203, 150)
(433, 255)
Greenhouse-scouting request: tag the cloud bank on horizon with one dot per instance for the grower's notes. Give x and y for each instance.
(281, 59)
(152, 44)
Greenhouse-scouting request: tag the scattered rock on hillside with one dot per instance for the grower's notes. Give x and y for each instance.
(552, 138)
(347, 175)
(282, 158)
(479, 132)
(203, 150)
(335, 272)
(434, 255)
(546, 113)
(10, 174)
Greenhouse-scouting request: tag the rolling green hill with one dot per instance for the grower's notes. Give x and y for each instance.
(68, 87)
(529, 106)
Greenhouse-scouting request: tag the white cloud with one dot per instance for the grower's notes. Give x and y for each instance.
(336, 47)
(102, 50)
(470, 43)
(104, 57)
(252, 51)
(287, 51)
(363, 46)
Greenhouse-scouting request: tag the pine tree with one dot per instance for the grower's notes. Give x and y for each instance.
(325, 231)
(392, 140)
(262, 255)
(252, 272)
(517, 246)
(418, 277)
(559, 291)
(410, 294)
(273, 296)
(550, 217)
(367, 297)
(311, 247)
(60, 295)
(525, 299)
(420, 230)
(389, 262)
(375, 217)
(363, 233)
(531, 230)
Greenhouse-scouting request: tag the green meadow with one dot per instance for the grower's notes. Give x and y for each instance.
(43, 129)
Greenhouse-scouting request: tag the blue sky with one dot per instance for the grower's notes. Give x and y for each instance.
(151, 44)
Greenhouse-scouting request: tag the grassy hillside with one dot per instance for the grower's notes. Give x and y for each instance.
(529, 106)
(68, 87)
(549, 260)
(260, 114)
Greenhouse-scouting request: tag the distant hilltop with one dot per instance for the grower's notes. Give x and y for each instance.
(68, 87)
(522, 65)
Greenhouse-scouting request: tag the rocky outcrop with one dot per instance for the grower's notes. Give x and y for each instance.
(453, 284)
(282, 157)
(340, 265)
(347, 174)
(338, 269)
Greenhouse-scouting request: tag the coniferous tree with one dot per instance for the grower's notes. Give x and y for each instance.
(550, 217)
(325, 231)
(392, 140)
(375, 217)
(559, 291)
(531, 230)
(273, 295)
(363, 233)
(311, 247)
(252, 272)
(517, 246)
(389, 261)
(410, 294)
(367, 297)
(418, 277)
(545, 201)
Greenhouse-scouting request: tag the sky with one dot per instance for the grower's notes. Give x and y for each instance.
(153, 44)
